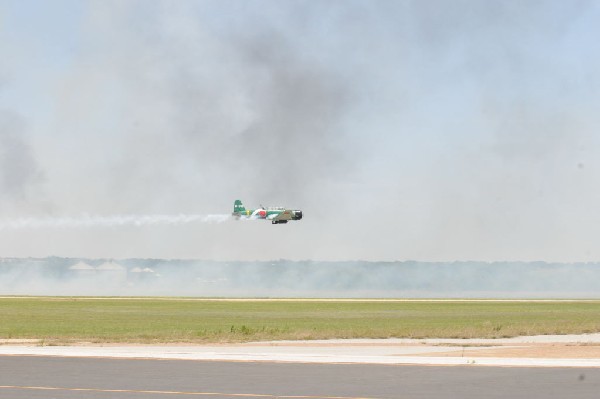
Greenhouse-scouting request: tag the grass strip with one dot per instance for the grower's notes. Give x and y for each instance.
(122, 320)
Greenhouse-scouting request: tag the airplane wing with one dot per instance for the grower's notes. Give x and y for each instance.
(285, 215)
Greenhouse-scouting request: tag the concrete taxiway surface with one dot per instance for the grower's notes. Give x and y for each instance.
(537, 351)
(34, 377)
(555, 367)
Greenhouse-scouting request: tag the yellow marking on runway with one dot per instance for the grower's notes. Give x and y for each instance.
(154, 392)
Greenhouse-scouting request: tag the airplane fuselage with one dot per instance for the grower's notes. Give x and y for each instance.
(277, 215)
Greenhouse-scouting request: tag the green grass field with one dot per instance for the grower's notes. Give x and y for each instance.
(69, 320)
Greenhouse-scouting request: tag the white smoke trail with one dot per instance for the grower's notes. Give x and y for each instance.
(110, 221)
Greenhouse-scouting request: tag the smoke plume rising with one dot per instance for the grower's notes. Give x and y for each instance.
(428, 130)
(19, 171)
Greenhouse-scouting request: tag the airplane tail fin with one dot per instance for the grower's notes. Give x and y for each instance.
(238, 207)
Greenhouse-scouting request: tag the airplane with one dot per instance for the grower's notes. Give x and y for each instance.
(277, 215)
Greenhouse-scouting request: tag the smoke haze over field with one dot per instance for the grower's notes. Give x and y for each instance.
(195, 278)
(428, 130)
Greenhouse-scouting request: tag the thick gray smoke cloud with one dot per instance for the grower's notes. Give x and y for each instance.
(296, 141)
(428, 130)
(236, 112)
(19, 171)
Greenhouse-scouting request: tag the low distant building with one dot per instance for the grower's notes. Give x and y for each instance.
(82, 269)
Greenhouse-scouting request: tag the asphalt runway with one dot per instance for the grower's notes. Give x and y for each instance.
(35, 377)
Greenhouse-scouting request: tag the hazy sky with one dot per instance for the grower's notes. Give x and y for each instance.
(428, 130)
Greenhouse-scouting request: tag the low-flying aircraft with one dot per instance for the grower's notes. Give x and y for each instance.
(277, 215)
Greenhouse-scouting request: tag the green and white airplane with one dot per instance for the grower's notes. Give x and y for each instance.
(277, 215)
